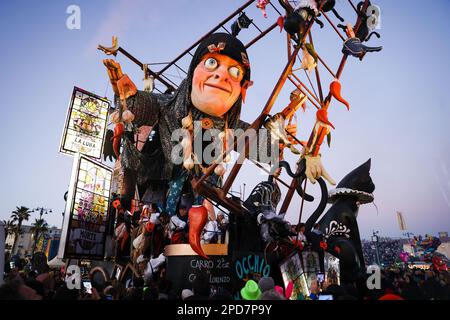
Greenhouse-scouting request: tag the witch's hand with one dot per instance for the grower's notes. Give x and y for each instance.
(315, 170)
(126, 87)
(114, 72)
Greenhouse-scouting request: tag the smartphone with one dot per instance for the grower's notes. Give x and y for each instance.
(320, 278)
(325, 297)
(87, 286)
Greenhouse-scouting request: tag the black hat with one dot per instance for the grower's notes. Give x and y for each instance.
(225, 44)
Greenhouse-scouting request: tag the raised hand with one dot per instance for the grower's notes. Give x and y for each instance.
(121, 83)
(114, 72)
(315, 170)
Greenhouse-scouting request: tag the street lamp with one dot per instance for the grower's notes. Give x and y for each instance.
(375, 240)
(42, 211)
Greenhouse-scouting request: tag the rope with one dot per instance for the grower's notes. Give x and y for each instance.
(107, 86)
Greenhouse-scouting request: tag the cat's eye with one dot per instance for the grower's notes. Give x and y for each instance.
(211, 64)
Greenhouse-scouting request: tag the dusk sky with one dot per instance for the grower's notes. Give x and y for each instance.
(399, 97)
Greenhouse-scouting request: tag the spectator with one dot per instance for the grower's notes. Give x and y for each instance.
(271, 295)
(251, 291)
(266, 284)
(186, 294)
(222, 225)
(201, 287)
(9, 292)
(431, 288)
(300, 229)
(179, 225)
(411, 290)
(210, 232)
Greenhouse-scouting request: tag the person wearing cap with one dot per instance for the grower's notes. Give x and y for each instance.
(212, 93)
(266, 284)
(186, 294)
(251, 291)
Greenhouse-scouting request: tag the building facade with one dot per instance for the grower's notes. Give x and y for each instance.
(25, 241)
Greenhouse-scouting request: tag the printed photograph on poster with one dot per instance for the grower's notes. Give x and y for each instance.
(291, 270)
(311, 266)
(86, 124)
(85, 231)
(310, 261)
(332, 269)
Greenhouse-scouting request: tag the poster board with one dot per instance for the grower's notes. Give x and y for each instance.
(332, 269)
(84, 230)
(86, 122)
(292, 270)
(311, 266)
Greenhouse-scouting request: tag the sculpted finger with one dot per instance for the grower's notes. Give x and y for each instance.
(328, 178)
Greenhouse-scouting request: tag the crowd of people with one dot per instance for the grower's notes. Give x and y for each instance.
(28, 281)
(395, 284)
(385, 252)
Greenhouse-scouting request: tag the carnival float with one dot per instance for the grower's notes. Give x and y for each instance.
(116, 216)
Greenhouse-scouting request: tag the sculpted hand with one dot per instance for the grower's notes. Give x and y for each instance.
(114, 72)
(315, 170)
(121, 83)
(126, 87)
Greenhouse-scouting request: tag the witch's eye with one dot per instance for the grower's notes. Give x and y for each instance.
(211, 64)
(235, 73)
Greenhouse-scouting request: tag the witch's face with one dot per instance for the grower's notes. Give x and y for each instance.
(216, 84)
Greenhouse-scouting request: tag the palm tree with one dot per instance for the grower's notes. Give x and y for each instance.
(39, 227)
(20, 214)
(10, 228)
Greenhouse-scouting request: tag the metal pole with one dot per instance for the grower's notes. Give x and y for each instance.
(375, 240)
(376, 250)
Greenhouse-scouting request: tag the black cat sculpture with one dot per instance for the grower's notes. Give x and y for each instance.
(297, 21)
(242, 22)
(364, 33)
(339, 224)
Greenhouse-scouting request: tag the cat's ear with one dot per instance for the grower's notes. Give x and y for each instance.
(369, 163)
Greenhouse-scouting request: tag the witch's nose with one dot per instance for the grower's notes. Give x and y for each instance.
(221, 72)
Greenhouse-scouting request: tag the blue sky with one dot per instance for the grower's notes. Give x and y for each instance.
(399, 97)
